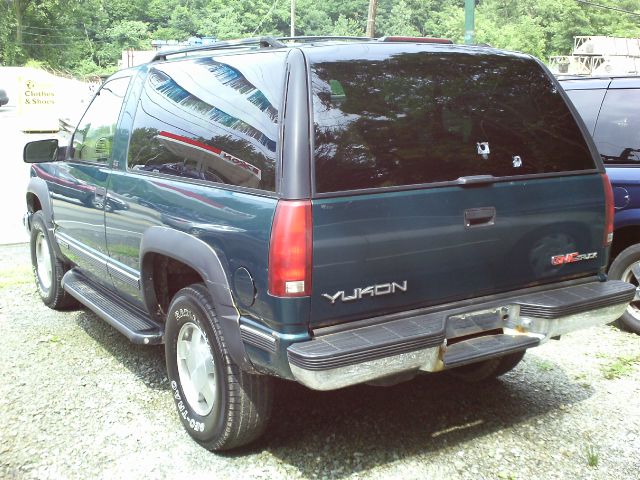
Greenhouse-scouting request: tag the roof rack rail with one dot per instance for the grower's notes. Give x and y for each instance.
(261, 42)
(445, 41)
(312, 38)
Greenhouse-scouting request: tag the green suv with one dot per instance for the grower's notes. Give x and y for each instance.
(329, 211)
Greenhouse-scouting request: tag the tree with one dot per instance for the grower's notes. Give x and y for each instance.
(19, 9)
(87, 36)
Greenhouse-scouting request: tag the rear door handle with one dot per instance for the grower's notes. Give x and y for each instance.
(479, 217)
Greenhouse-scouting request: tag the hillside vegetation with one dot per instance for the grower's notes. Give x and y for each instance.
(86, 37)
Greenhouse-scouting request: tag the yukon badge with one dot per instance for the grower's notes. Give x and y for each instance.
(371, 291)
(572, 257)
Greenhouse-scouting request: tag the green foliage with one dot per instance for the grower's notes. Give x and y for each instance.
(347, 27)
(620, 367)
(593, 458)
(87, 36)
(400, 20)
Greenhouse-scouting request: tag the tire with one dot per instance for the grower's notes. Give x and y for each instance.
(224, 407)
(487, 369)
(622, 268)
(48, 269)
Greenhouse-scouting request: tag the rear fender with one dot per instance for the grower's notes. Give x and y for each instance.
(203, 259)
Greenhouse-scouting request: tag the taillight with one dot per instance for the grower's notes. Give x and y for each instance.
(290, 249)
(609, 210)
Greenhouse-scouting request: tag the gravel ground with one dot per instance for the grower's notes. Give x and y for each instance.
(79, 401)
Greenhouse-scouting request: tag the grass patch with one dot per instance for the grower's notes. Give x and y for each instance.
(620, 367)
(544, 365)
(15, 276)
(592, 455)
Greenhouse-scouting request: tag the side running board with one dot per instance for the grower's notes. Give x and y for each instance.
(129, 321)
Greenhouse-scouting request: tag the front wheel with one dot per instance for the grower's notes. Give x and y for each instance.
(220, 405)
(48, 269)
(626, 267)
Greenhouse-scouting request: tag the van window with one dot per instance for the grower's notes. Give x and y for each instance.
(389, 118)
(588, 103)
(211, 118)
(617, 134)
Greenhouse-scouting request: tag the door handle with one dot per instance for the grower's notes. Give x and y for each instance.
(479, 217)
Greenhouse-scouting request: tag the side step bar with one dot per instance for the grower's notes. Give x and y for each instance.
(483, 348)
(132, 323)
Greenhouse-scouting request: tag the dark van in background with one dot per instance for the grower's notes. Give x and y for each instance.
(610, 107)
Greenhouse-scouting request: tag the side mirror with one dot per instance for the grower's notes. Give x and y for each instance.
(41, 151)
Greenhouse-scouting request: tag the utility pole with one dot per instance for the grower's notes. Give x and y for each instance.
(469, 22)
(371, 18)
(293, 18)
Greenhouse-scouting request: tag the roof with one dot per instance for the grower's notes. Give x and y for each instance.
(592, 83)
(270, 43)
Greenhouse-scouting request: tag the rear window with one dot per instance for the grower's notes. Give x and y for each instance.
(388, 118)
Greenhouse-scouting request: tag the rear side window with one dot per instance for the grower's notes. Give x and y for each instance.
(617, 134)
(588, 103)
(212, 119)
(386, 118)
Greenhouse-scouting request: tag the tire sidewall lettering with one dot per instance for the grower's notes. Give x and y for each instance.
(37, 228)
(191, 422)
(200, 427)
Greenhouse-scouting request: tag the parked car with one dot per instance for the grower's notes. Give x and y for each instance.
(610, 108)
(331, 212)
(4, 99)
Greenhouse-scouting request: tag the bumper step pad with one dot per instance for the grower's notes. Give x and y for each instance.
(486, 347)
(575, 299)
(132, 323)
(369, 343)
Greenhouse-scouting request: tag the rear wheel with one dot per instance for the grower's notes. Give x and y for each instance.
(626, 267)
(48, 270)
(220, 405)
(492, 368)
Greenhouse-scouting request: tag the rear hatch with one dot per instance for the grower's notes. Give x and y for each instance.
(442, 174)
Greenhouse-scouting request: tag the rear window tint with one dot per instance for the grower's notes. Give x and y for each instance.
(617, 134)
(212, 119)
(588, 103)
(385, 118)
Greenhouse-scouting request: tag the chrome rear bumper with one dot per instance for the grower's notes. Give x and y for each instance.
(429, 342)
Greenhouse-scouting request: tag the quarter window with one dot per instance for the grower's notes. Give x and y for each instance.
(93, 139)
(212, 119)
